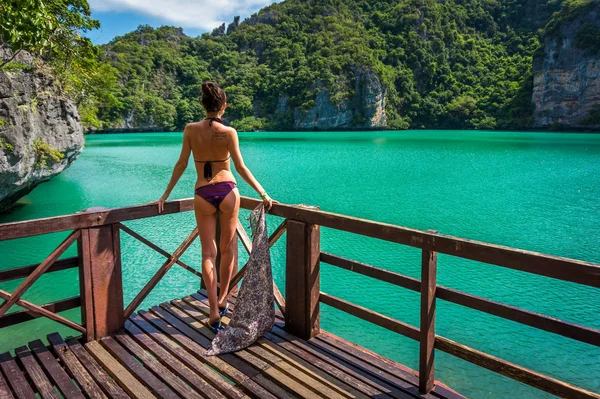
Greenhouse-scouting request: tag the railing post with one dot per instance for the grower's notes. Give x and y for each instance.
(302, 279)
(100, 280)
(427, 341)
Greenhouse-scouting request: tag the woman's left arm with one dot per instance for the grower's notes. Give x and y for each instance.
(178, 170)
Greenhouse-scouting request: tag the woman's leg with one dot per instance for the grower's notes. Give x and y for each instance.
(207, 224)
(229, 210)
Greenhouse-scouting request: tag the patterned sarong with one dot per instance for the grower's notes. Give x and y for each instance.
(254, 313)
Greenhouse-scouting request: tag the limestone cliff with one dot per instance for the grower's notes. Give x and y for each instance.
(566, 90)
(365, 109)
(40, 132)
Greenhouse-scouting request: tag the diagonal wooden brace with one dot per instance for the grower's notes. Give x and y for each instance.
(158, 249)
(43, 312)
(160, 273)
(41, 269)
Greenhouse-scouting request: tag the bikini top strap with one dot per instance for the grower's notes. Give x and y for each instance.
(211, 120)
(226, 159)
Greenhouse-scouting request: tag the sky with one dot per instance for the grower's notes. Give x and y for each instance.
(118, 17)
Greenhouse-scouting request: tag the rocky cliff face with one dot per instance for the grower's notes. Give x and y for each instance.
(364, 110)
(40, 132)
(566, 90)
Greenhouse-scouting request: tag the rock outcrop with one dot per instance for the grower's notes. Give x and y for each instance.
(566, 83)
(364, 110)
(40, 132)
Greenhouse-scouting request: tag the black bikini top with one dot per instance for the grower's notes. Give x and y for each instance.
(207, 164)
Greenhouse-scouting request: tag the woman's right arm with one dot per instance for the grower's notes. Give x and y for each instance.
(240, 166)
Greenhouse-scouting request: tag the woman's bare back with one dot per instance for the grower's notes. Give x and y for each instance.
(209, 142)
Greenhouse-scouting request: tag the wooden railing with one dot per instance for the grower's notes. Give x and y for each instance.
(99, 260)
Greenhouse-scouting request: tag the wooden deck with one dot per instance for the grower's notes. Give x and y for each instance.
(160, 354)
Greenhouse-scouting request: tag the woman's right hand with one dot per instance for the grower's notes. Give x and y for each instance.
(161, 203)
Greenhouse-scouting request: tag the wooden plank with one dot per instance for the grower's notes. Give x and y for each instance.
(532, 319)
(43, 312)
(74, 367)
(127, 381)
(170, 342)
(371, 316)
(264, 350)
(41, 269)
(427, 326)
(197, 343)
(302, 282)
(580, 272)
(349, 368)
(23, 316)
(112, 389)
(169, 359)
(176, 381)
(15, 377)
(307, 385)
(240, 361)
(60, 378)
(24, 271)
(161, 273)
(407, 380)
(402, 387)
(387, 365)
(354, 387)
(36, 374)
(85, 219)
(5, 392)
(196, 328)
(158, 249)
(511, 370)
(137, 369)
(368, 381)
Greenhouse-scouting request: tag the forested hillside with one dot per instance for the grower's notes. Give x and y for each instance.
(340, 64)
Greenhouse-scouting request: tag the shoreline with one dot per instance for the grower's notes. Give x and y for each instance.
(523, 130)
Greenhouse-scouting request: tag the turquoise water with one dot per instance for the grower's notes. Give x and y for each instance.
(536, 191)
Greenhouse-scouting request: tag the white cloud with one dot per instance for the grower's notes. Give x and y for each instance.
(200, 14)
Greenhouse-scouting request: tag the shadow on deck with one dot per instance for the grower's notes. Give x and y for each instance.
(160, 354)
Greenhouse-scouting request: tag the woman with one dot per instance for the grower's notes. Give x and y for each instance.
(213, 145)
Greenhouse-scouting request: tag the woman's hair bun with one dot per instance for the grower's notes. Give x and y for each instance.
(213, 97)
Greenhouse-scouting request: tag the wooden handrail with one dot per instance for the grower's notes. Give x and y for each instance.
(83, 220)
(497, 365)
(522, 316)
(577, 271)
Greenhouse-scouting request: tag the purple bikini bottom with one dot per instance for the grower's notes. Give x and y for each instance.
(216, 192)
